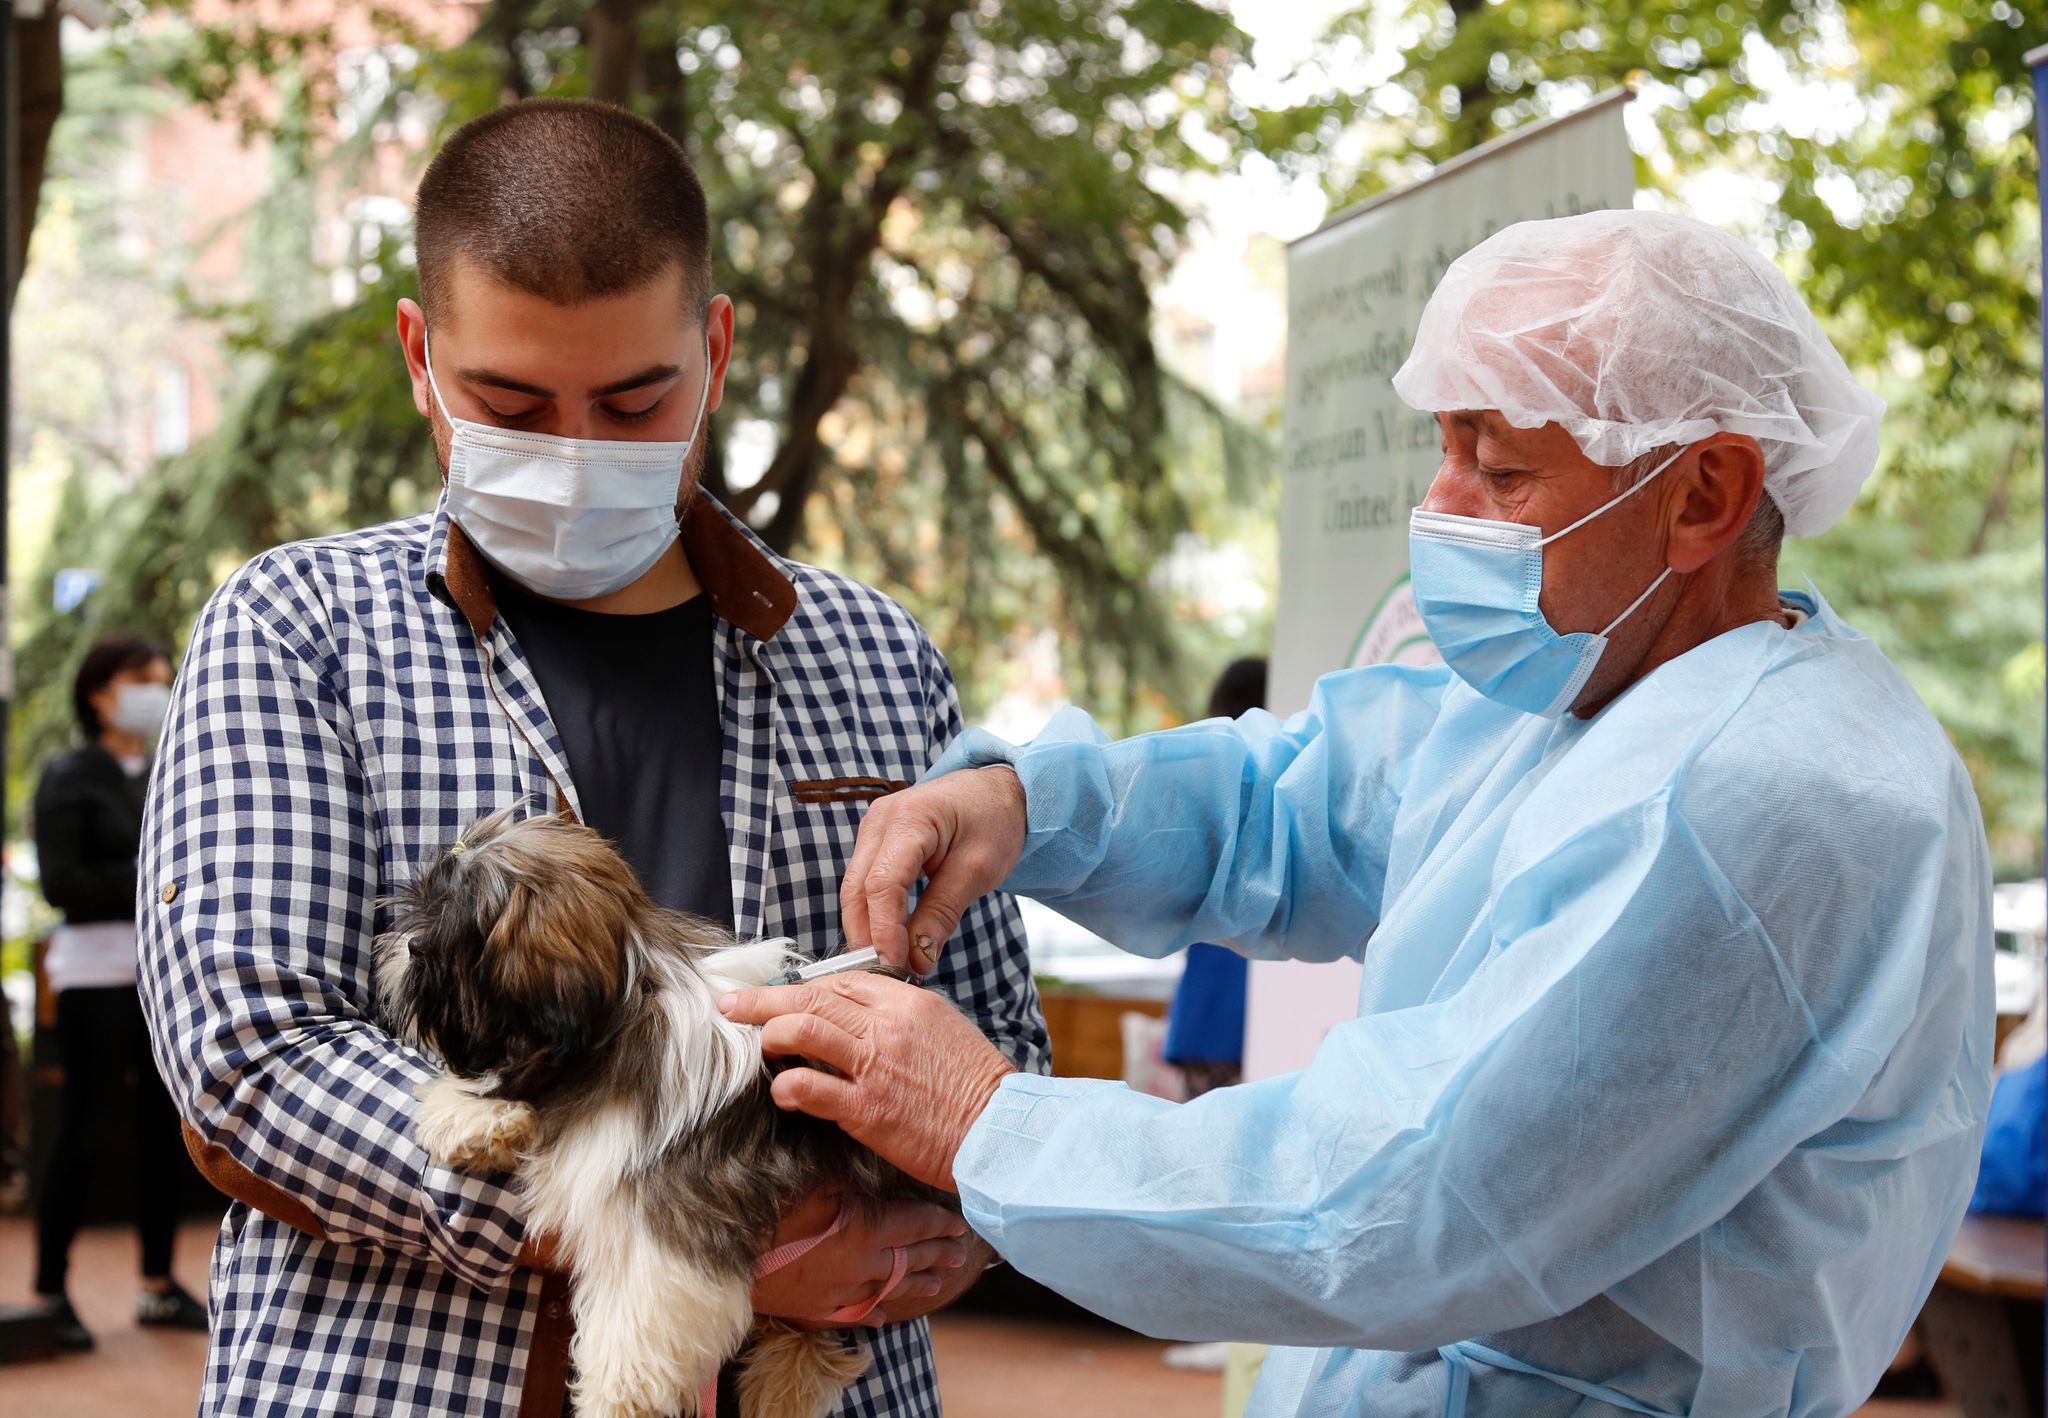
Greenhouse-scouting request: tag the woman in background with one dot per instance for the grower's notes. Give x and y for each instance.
(88, 827)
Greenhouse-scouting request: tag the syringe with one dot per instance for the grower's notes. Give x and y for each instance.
(866, 958)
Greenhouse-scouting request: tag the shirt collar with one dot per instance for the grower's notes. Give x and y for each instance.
(748, 587)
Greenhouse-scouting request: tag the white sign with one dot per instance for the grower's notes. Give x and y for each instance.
(1358, 460)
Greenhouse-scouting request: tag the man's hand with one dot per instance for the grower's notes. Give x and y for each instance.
(845, 1270)
(912, 1072)
(964, 832)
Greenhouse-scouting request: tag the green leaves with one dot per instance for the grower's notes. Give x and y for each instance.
(1888, 150)
(940, 222)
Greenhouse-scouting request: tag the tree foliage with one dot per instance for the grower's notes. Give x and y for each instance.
(942, 220)
(1882, 151)
(940, 223)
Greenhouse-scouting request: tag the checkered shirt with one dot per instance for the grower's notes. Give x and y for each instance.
(342, 714)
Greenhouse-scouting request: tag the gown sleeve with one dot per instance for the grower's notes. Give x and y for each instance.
(1267, 836)
(1634, 1056)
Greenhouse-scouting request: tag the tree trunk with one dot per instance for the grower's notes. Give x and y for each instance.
(841, 240)
(613, 33)
(1999, 503)
(1473, 91)
(505, 23)
(661, 80)
(40, 63)
(793, 472)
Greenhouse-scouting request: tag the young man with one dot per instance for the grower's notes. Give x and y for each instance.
(575, 628)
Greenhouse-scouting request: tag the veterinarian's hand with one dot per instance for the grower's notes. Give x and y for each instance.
(964, 832)
(844, 1271)
(913, 1073)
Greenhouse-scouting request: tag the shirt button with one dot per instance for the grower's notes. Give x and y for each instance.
(552, 1309)
(170, 892)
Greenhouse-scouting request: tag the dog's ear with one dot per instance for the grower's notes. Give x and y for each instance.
(556, 963)
(443, 949)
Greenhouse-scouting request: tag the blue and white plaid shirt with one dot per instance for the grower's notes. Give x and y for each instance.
(347, 706)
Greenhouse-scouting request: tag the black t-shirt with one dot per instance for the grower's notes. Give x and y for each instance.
(634, 701)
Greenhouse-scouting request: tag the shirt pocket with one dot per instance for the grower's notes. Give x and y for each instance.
(822, 822)
(814, 791)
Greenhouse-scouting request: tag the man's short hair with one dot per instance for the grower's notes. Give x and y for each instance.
(566, 199)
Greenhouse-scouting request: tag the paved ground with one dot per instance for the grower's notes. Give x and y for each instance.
(134, 1373)
(989, 1366)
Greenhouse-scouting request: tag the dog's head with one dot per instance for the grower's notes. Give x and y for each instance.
(512, 954)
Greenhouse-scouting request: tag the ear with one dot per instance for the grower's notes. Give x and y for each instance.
(718, 336)
(1715, 500)
(545, 1042)
(412, 342)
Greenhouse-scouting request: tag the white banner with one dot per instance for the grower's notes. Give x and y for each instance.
(1358, 460)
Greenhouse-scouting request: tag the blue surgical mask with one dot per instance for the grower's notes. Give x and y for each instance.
(568, 518)
(1477, 584)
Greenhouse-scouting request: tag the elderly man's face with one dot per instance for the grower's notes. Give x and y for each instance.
(1538, 476)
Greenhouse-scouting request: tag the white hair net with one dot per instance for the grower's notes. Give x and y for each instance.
(1637, 330)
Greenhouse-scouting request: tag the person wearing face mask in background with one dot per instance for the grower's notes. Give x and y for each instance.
(577, 628)
(88, 827)
(1673, 1043)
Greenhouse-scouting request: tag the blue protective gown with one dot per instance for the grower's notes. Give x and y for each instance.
(1671, 1059)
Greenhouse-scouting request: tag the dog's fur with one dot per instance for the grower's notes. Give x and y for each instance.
(585, 1052)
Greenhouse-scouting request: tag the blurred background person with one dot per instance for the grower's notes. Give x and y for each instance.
(88, 827)
(1205, 1026)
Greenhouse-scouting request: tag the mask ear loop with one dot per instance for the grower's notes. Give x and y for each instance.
(427, 358)
(703, 394)
(1618, 498)
(1641, 483)
(1633, 604)
(696, 431)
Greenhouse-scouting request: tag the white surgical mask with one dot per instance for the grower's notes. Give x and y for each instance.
(139, 709)
(568, 518)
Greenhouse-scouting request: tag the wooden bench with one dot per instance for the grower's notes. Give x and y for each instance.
(1086, 1030)
(1983, 1322)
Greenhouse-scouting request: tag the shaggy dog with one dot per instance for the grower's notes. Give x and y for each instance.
(585, 1051)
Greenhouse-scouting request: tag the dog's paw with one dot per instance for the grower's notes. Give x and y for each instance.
(470, 1133)
(793, 1373)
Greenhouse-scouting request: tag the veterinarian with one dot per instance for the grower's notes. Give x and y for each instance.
(575, 627)
(1673, 1048)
